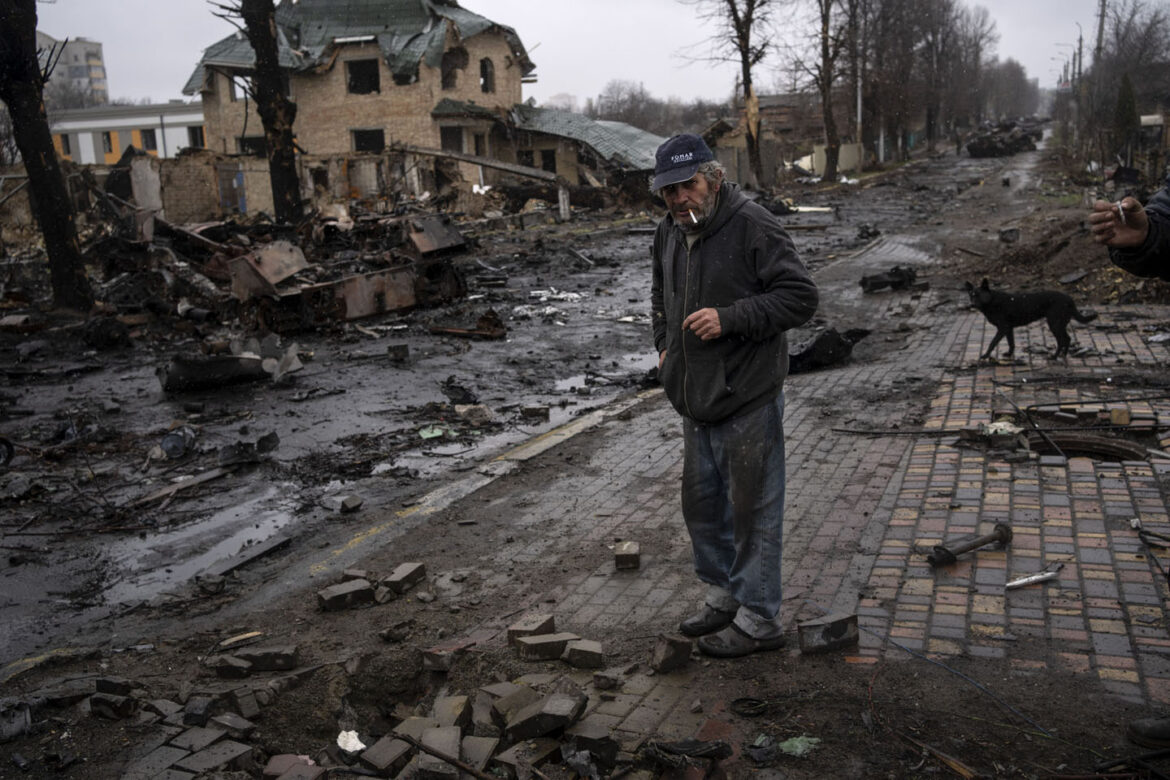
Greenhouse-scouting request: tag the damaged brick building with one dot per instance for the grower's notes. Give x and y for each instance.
(381, 85)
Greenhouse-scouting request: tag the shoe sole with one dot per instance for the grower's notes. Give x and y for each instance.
(760, 646)
(692, 633)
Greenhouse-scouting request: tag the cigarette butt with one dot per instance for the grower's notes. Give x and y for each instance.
(696, 221)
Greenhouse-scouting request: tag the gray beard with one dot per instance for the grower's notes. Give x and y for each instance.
(702, 214)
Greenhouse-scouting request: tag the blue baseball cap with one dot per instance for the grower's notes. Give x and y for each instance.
(678, 158)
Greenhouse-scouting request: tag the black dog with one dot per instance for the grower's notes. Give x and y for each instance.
(1007, 311)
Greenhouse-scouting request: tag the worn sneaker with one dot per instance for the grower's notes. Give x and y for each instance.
(705, 621)
(1150, 732)
(732, 642)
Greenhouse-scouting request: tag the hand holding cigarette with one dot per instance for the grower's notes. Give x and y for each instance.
(1120, 225)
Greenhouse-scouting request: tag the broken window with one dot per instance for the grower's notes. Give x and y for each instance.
(233, 93)
(66, 147)
(369, 141)
(454, 60)
(149, 141)
(362, 77)
(548, 160)
(451, 139)
(525, 157)
(480, 145)
(252, 144)
(487, 75)
(107, 143)
(195, 136)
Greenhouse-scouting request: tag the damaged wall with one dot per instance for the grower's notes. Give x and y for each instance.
(16, 211)
(328, 113)
(190, 187)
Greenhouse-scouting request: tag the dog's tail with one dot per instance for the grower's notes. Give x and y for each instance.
(1088, 316)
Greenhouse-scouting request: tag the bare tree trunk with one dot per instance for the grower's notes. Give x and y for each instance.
(827, 77)
(21, 88)
(277, 112)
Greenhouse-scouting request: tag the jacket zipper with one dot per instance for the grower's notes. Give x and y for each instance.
(683, 337)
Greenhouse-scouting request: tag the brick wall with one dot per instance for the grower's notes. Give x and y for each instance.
(327, 112)
(190, 188)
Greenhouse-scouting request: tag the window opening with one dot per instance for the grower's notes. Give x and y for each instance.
(362, 77)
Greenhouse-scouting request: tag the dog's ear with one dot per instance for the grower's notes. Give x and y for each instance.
(985, 285)
(968, 286)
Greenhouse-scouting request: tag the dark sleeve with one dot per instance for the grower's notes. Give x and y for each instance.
(789, 296)
(1152, 258)
(657, 308)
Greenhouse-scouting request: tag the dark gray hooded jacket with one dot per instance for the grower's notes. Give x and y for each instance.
(744, 266)
(1153, 257)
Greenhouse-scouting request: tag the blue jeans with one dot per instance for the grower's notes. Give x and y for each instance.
(733, 505)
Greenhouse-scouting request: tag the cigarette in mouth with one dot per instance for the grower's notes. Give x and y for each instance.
(693, 218)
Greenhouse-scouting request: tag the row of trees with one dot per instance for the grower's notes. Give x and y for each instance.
(1128, 75)
(926, 64)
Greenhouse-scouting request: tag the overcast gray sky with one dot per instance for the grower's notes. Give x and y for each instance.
(151, 46)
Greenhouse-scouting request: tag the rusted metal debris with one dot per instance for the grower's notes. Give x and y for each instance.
(488, 326)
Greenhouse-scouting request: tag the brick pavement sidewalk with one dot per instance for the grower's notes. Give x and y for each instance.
(862, 511)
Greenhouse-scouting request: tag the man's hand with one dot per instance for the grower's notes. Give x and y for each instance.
(661, 359)
(1121, 225)
(704, 323)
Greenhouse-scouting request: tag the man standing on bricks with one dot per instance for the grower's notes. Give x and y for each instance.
(727, 286)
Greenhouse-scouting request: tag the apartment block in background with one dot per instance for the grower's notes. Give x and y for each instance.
(80, 64)
(102, 133)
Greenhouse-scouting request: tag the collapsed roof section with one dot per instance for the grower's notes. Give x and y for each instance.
(407, 31)
(620, 144)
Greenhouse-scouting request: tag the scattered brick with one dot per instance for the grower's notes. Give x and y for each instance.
(405, 576)
(504, 707)
(278, 765)
(531, 625)
(452, 711)
(154, 763)
(500, 690)
(198, 737)
(414, 727)
(197, 710)
(533, 753)
(229, 667)
(591, 734)
(831, 632)
(226, 754)
(478, 751)
(544, 647)
(552, 713)
(584, 654)
(670, 653)
(246, 704)
(441, 657)
(235, 726)
(482, 724)
(345, 596)
(627, 555)
(445, 740)
(351, 504)
(387, 756)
